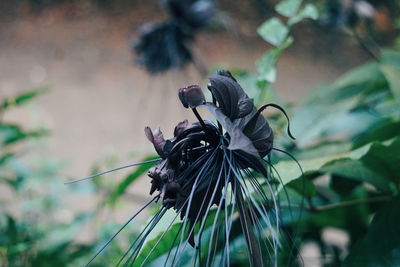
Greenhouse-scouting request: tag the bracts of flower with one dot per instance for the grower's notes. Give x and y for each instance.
(163, 46)
(216, 176)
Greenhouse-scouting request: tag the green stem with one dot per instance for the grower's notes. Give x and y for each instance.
(344, 204)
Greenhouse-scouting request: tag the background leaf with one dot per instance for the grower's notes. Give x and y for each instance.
(381, 245)
(273, 31)
(308, 12)
(288, 8)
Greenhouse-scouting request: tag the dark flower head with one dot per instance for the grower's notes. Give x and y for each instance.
(192, 13)
(204, 159)
(215, 177)
(163, 46)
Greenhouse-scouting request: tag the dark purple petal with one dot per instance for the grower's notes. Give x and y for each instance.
(231, 98)
(180, 127)
(156, 137)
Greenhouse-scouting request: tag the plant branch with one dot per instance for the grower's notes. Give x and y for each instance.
(344, 204)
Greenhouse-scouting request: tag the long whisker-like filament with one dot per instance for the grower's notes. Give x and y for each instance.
(120, 229)
(140, 235)
(112, 170)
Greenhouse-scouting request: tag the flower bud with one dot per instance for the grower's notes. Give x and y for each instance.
(191, 96)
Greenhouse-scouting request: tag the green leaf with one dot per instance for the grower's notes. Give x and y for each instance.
(349, 85)
(289, 170)
(128, 180)
(303, 186)
(383, 131)
(324, 150)
(356, 170)
(4, 158)
(273, 31)
(163, 246)
(266, 65)
(11, 133)
(288, 8)
(384, 158)
(381, 245)
(308, 12)
(342, 186)
(162, 243)
(390, 67)
(22, 98)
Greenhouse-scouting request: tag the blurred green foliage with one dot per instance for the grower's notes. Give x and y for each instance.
(348, 148)
(30, 232)
(37, 225)
(347, 145)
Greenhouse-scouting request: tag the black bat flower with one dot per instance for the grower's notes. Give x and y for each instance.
(164, 46)
(216, 179)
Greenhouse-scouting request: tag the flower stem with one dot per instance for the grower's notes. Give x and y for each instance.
(219, 124)
(196, 113)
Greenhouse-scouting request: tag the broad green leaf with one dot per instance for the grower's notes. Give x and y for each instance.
(308, 12)
(381, 244)
(288, 8)
(354, 82)
(364, 73)
(159, 245)
(163, 242)
(384, 159)
(128, 180)
(390, 67)
(273, 31)
(383, 131)
(315, 124)
(303, 186)
(356, 170)
(342, 186)
(289, 170)
(324, 150)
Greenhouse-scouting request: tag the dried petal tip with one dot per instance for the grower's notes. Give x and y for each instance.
(157, 138)
(191, 96)
(180, 127)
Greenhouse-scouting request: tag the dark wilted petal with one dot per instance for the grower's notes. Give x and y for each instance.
(180, 127)
(191, 96)
(157, 139)
(232, 99)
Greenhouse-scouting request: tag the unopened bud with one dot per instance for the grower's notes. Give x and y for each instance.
(191, 96)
